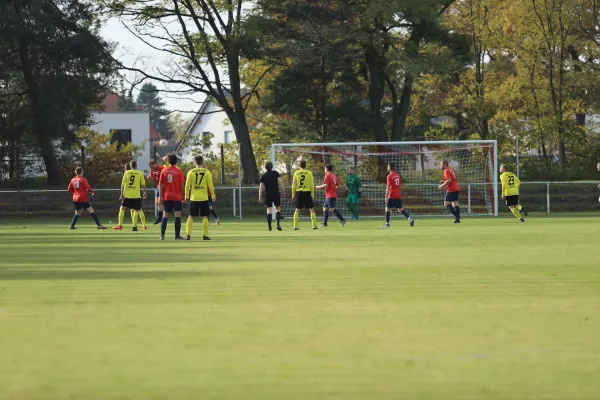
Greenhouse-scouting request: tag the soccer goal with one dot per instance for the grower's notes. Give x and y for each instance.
(475, 164)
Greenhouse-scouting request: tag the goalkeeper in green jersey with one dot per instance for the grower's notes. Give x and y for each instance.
(353, 192)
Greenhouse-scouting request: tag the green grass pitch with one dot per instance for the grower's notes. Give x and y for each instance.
(489, 309)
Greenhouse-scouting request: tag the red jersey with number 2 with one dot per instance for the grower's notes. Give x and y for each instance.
(394, 183)
(79, 186)
(453, 185)
(171, 179)
(332, 183)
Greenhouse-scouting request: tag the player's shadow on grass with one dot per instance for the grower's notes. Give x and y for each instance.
(81, 274)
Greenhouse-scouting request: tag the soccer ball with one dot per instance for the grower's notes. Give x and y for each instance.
(163, 142)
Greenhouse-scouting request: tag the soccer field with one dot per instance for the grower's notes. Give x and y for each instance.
(488, 309)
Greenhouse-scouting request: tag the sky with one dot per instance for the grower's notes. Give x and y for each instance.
(130, 50)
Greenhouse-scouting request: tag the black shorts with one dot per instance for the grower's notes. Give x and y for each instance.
(329, 203)
(81, 205)
(134, 204)
(304, 200)
(512, 201)
(201, 208)
(451, 197)
(394, 203)
(271, 199)
(172, 206)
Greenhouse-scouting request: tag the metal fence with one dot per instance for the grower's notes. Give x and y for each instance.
(243, 201)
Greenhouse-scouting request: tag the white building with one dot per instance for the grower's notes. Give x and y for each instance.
(126, 127)
(210, 120)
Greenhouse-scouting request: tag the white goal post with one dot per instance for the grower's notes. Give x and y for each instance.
(475, 163)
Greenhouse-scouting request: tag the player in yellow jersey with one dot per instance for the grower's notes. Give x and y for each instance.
(133, 181)
(510, 192)
(303, 193)
(198, 185)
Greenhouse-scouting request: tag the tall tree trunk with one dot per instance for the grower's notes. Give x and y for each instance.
(403, 108)
(242, 133)
(46, 145)
(237, 116)
(376, 77)
(579, 117)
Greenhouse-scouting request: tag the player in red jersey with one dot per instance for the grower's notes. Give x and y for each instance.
(79, 187)
(452, 191)
(330, 184)
(393, 196)
(155, 170)
(171, 188)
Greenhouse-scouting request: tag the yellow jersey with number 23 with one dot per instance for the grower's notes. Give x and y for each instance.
(510, 184)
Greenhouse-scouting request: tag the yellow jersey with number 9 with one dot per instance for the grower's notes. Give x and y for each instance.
(198, 183)
(132, 182)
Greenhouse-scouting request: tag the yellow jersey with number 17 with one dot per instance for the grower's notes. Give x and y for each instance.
(133, 181)
(303, 182)
(198, 183)
(510, 184)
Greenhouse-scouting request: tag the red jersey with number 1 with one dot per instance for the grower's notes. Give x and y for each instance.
(453, 185)
(79, 186)
(171, 179)
(332, 183)
(394, 183)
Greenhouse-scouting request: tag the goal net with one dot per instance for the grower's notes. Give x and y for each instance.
(474, 163)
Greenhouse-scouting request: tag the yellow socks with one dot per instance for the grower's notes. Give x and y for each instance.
(142, 217)
(121, 217)
(188, 226)
(296, 217)
(205, 227)
(134, 218)
(516, 213)
(313, 218)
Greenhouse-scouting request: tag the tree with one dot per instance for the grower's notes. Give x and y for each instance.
(148, 99)
(207, 48)
(53, 51)
(178, 124)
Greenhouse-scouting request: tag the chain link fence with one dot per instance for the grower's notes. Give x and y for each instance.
(243, 202)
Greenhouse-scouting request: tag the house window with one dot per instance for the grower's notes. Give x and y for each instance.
(227, 137)
(121, 137)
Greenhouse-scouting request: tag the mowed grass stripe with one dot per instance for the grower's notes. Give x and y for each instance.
(488, 309)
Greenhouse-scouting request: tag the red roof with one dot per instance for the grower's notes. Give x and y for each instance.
(110, 101)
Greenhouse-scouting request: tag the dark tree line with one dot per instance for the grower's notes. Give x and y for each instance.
(53, 66)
